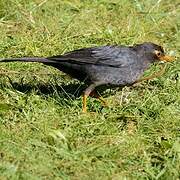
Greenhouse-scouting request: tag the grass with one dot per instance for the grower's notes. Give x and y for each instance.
(44, 135)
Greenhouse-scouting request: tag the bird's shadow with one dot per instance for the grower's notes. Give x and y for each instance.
(71, 90)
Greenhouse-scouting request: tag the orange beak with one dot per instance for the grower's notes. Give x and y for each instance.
(167, 58)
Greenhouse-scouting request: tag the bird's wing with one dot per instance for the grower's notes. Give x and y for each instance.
(114, 56)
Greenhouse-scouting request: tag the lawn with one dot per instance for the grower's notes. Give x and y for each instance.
(43, 132)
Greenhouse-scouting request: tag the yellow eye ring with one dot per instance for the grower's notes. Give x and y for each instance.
(158, 53)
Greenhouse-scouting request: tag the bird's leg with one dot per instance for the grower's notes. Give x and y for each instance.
(95, 94)
(84, 103)
(159, 73)
(87, 92)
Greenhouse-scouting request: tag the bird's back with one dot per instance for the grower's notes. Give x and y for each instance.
(116, 65)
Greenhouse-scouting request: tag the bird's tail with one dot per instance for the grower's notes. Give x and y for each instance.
(28, 59)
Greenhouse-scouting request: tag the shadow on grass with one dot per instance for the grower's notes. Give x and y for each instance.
(73, 90)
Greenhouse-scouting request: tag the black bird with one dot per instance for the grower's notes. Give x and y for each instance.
(105, 65)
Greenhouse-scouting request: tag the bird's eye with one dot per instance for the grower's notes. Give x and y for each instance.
(158, 53)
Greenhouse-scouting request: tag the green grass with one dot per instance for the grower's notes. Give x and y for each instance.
(44, 134)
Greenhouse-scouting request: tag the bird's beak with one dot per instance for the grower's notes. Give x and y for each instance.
(166, 58)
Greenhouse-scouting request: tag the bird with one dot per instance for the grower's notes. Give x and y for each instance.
(104, 66)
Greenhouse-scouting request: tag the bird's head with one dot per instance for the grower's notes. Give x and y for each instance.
(153, 52)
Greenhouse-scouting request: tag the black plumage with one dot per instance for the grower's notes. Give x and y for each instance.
(104, 65)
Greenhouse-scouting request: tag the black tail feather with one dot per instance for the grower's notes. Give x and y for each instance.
(28, 59)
